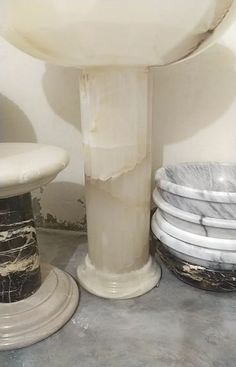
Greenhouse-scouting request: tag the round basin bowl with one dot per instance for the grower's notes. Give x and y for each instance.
(194, 239)
(187, 250)
(110, 32)
(203, 277)
(207, 189)
(193, 223)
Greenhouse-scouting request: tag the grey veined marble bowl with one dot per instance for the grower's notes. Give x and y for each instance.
(194, 223)
(205, 189)
(198, 255)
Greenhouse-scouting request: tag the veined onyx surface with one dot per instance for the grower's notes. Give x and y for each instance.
(19, 257)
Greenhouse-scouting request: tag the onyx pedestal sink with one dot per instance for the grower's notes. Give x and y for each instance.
(115, 43)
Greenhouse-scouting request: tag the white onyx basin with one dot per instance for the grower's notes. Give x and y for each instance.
(115, 42)
(110, 32)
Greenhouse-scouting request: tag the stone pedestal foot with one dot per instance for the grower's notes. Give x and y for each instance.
(28, 321)
(119, 286)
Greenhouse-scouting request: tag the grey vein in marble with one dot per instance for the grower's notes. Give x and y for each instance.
(206, 189)
(196, 252)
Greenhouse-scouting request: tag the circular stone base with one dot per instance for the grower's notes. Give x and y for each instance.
(197, 276)
(119, 286)
(28, 321)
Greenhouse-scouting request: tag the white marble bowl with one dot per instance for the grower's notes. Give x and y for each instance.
(205, 189)
(195, 254)
(194, 239)
(193, 223)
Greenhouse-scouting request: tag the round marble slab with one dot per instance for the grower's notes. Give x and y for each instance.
(26, 322)
(26, 166)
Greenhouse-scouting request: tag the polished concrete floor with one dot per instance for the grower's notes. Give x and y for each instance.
(173, 325)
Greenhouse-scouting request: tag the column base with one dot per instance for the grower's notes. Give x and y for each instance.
(35, 318)
(119, 286)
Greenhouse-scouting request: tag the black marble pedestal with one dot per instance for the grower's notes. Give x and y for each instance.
(20, 275)
(198, 276)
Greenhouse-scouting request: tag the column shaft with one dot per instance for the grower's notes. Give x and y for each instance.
(19, 257)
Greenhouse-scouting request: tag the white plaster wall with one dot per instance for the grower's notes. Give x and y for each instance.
(195, 106)
(194, 117)
(40, 103)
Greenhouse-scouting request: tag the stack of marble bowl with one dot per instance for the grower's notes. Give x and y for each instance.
(194, 227)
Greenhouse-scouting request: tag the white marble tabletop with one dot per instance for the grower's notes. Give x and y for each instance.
(27, 166)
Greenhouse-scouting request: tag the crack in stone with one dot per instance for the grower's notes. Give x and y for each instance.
(205, 35)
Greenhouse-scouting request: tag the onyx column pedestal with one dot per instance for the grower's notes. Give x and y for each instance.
(35, 299)
(117, 146)
(115, 44)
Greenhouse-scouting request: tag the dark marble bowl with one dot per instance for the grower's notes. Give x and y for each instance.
(217, 280)
(207, 189)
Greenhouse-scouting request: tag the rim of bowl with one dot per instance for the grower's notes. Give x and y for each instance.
(214, 34)
(192, 238)
(190, 217)
(191, 250)
(188, 192)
